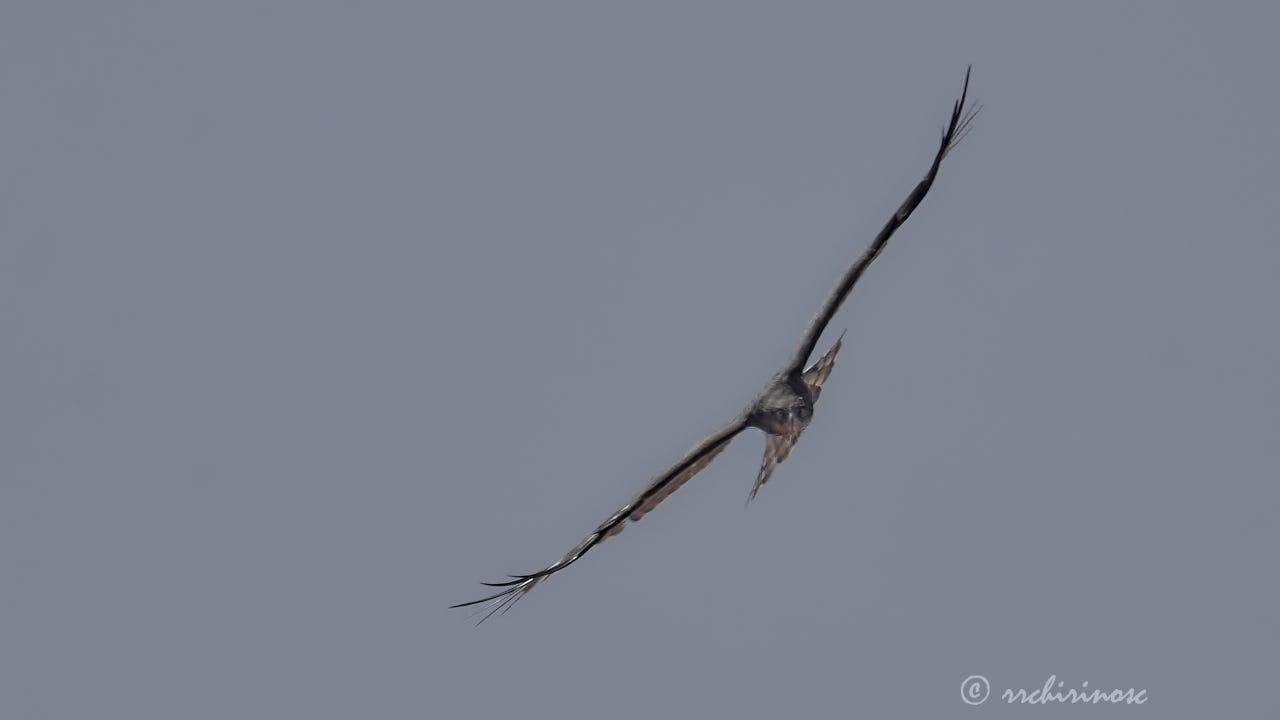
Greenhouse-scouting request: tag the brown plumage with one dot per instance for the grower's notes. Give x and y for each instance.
(782, 409)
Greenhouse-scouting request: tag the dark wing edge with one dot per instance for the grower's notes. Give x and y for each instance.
(662, 485)
(778, 447)
(961, 119)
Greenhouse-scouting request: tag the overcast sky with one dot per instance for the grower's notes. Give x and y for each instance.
(316, 314)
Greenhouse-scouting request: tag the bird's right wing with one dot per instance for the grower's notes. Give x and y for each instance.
(662, 485)
(954, 133)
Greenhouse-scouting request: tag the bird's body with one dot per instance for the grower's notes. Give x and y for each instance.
(782, 410)
(784, 407)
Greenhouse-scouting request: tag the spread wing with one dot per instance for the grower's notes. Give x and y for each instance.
(662, 485)
(961, 117)
(778, 447)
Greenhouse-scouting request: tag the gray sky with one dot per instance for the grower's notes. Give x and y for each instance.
(317, 314)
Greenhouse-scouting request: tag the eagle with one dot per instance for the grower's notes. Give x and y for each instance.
(781, 410)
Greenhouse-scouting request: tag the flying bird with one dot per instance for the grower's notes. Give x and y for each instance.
(782, 409)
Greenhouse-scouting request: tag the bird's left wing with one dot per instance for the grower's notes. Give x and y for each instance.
(662, 485)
